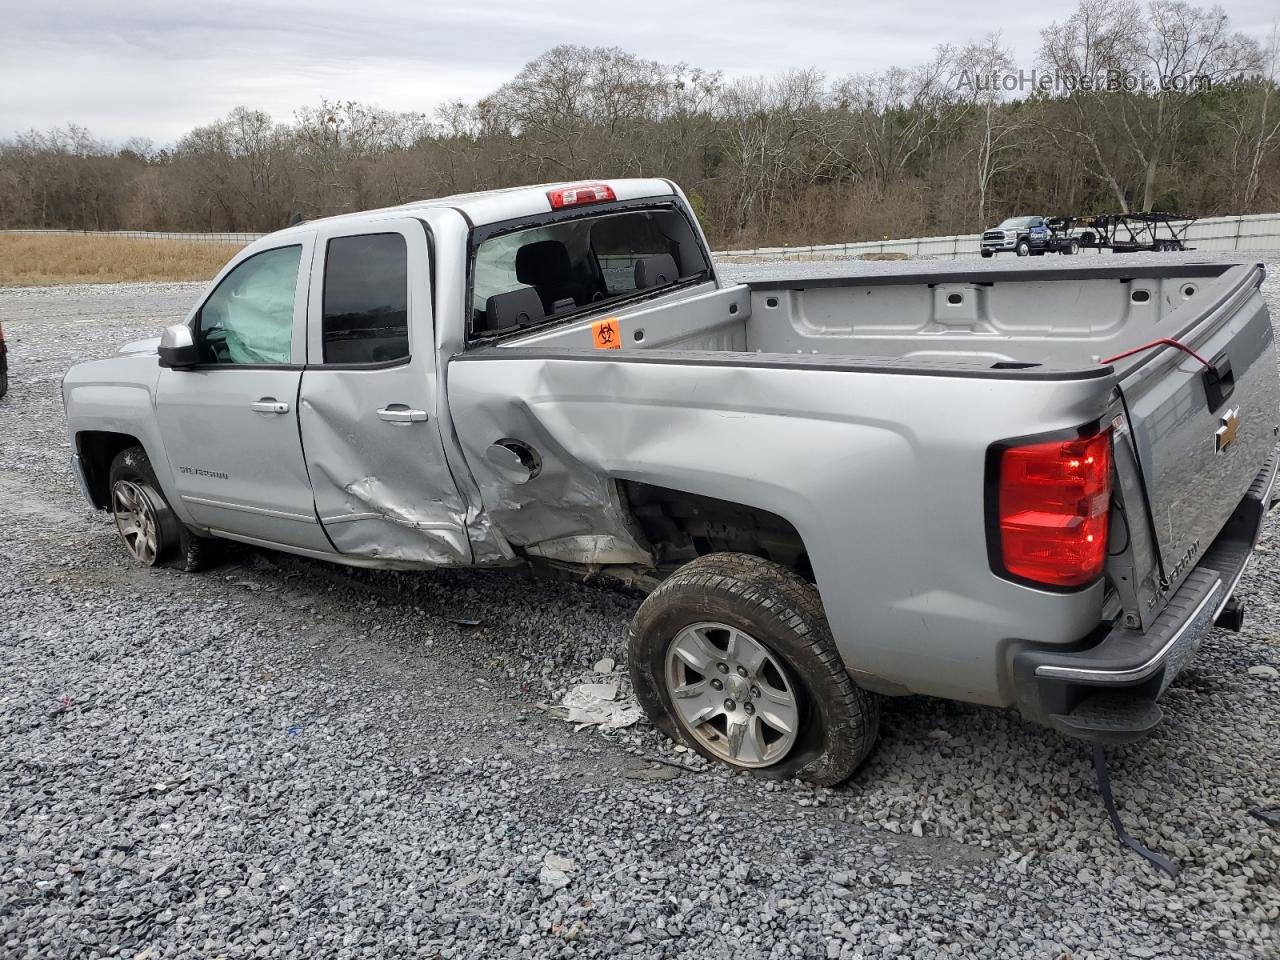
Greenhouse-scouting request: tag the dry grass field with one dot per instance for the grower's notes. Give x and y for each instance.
(34, 260)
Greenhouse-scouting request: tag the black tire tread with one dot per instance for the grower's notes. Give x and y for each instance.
(187, 551)
(775, 592)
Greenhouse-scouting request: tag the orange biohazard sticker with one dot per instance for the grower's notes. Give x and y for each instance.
(606, 334)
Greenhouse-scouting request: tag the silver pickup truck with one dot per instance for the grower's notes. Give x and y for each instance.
(1021, 487)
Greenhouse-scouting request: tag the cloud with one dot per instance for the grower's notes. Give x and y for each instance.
(156, 70)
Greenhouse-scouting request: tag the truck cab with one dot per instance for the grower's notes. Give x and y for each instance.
(1021, 235)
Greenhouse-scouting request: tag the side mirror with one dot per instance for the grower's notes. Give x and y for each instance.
(177, 347)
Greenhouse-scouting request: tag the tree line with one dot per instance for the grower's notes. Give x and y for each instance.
(1128, 107)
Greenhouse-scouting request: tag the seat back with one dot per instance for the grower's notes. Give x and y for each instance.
(516, 308)
(656, 271)
(545, 266)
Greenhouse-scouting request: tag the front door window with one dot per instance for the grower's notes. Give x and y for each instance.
(248, 319)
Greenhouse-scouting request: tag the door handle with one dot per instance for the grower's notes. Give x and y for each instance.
(399, 413)
(269, 405)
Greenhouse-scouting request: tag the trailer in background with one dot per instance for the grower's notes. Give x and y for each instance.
(1130, 232)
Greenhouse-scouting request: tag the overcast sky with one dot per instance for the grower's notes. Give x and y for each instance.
(127, 68)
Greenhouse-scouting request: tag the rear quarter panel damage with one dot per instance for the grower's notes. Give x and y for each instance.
(880, 473)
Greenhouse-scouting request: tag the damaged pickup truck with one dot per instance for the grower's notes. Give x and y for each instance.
(1024, 487)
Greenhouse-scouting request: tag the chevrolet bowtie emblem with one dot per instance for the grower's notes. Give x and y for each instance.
(1230, 427)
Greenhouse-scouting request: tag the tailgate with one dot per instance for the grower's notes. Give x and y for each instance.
(1200, 445)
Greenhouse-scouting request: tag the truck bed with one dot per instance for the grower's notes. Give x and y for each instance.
(859, 405)
(1052, 318)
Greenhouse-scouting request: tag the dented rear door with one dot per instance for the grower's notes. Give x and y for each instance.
(368, 402)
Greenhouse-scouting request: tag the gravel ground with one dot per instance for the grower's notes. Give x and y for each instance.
(284, 758)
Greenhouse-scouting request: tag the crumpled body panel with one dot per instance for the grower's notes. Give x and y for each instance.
(568, 509)
(880, 473)
(382, 490)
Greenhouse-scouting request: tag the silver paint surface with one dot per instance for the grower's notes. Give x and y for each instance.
(857, 403)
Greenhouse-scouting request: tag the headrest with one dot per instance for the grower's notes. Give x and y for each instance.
(542, 263)
(656, 271)
(517, 308)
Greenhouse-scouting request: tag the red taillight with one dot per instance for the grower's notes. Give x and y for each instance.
(577, 196)
(1053, 503)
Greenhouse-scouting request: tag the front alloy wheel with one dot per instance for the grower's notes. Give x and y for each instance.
(731, 695)
(136, 520)
(145, 521)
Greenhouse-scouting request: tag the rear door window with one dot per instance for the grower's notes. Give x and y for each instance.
(365, 316)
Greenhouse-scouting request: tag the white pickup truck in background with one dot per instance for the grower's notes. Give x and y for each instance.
(1029, 487)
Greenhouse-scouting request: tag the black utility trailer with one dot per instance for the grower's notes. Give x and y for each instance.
(1129, 232)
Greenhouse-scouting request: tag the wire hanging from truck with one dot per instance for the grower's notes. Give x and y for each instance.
(1162, 342)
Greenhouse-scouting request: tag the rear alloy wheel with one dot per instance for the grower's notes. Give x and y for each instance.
(151, 532)
(731, 695)
(733, 657)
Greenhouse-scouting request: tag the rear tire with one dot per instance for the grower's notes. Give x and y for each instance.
(768, 663)
(152, 534)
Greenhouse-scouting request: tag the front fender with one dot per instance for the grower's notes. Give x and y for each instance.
(117, 395)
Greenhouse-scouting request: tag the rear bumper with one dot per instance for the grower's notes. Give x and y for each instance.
(1107, 691)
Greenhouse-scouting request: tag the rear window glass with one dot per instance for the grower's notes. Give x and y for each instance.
(527, 277)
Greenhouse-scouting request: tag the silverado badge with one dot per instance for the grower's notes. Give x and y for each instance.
(1226, 433)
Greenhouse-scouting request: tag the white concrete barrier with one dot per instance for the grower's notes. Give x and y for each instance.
(241, 238)
(1259, 231)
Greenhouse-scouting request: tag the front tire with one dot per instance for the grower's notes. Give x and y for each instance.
(732, 656)
(1023, 248)
(987, 254)
(152, 534)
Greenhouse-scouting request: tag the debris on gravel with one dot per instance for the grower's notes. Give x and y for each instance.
(282, 758)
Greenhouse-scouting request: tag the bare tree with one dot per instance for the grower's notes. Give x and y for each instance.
(1250, 123)
(1102, 38)
(998, 130)
(899, 111)
(1187, 50)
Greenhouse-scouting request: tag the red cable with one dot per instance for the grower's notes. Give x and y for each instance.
(1162, 342)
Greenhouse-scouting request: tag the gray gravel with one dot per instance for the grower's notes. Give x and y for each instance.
(283, 758)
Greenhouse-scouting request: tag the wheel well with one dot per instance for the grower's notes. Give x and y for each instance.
(97, 448)
(682, 526)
